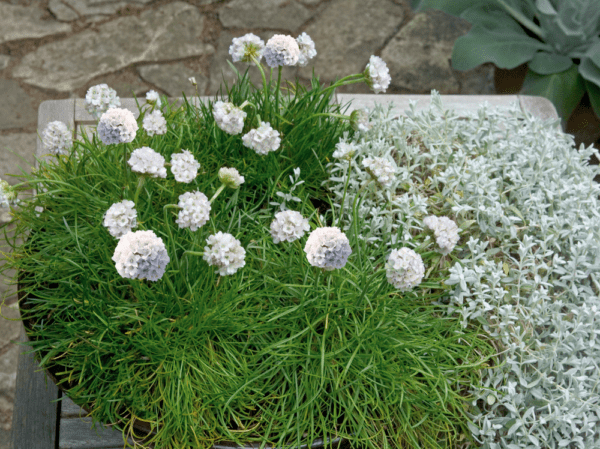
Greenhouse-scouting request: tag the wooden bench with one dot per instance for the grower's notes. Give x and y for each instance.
(41, 420)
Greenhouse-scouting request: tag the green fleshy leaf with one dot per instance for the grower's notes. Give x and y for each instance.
(546, 63)
(564, 89)
(545, 7)
(594, 93)
(507, 48)
(594, 53)
(589, 70)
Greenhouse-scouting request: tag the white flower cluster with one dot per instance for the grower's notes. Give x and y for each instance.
(445, 231)
(245, 47)
(307, 49)
(262, 139)
(288, 226)
(141, 255)
(101, 98)
(359, 120)
(147, 161)
(327, 248)
(120, 218)
(117, 126)
(381, 169)
(8, 195)
(230, 177)
(57, 138)
(404, 269)
(195, 210)
(377, 74)
(184, 166)
(153, 98)
(225, 252)
(344, 150)
(154, 123)
(229, 117)
(281, 50)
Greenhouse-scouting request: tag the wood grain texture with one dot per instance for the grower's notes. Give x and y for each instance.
(77, 433)
(35, 413)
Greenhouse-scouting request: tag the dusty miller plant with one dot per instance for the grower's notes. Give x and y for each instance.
(528, 208)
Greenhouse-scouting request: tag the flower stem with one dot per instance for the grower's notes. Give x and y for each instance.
(345, 190)
(219, 190)
(193, 253)
(262, 73)
(168, 225)
(280, 68)
(140, 184)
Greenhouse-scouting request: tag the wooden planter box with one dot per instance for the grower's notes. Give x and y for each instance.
(40, 423)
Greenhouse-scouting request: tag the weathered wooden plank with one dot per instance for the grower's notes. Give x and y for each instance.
(77, 433)
(68, 409)
(35, 413)
(49, 111)
(462, 104)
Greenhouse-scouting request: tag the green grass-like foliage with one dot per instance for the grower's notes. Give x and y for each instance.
(281, 353)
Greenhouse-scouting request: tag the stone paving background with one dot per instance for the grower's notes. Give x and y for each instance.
(58, 49)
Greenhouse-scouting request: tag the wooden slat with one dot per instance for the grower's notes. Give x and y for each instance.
(35, 413)
(462, 104)
(68, 409)
(77, 433)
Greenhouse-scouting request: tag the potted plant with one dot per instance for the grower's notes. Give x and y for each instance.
(552, 45)
(190, 272)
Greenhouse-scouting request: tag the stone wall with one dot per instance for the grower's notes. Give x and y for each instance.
(57, 49)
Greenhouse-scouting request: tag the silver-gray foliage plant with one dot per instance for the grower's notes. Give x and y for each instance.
(528, 272)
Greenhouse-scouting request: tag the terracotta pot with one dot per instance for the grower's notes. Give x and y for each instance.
(583, 123)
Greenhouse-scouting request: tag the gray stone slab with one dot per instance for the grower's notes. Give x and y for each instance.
(17, 152)
(25, 22)
(347, 32)
(8, 366)
(173, 78)
(61, 11)
(166, 32)
(419, 55)
(102, 7)
(274, 14)
(4, 60)
(16, 107)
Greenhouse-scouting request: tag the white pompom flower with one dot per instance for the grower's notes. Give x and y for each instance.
(154, 123)
(141, 255)
(445, 231)
(57, 138)
(8, 194)
(288, 226)
(262, 139)
(120, 218)
(195, 210)
(281, 50)
(225, 252)
(307, 49)
(101, 98)
(377, 74)
(147, 161)
(404, 269)
(327, 248)
(229, 117)
(345, 150)
(230, 177)
(380, 169)
(117, 126)
(246, 47)
(153, 98)
(184, 166)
